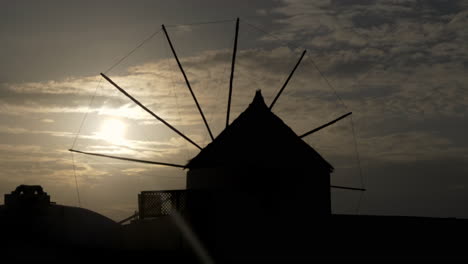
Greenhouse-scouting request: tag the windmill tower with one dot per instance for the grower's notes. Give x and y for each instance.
(256, 170)
(260, 156)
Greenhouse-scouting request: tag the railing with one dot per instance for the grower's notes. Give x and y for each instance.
(161, 203)
(130, 218)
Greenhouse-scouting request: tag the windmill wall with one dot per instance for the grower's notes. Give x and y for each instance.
(228, 205)
(268, 190)
(256, 179)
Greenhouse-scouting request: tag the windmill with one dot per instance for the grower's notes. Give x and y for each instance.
(257, 165)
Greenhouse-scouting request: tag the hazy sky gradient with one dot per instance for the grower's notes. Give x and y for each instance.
(399, 66)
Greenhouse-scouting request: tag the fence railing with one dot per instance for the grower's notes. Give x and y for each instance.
(161, 203)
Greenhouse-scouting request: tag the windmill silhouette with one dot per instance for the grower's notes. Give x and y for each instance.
(189, 140)
(257, 165)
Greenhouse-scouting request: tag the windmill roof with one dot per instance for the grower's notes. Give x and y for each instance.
(259, 138)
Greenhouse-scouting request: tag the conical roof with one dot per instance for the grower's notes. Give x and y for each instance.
(260, 139)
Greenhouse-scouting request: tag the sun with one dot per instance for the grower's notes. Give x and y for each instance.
(113, 131)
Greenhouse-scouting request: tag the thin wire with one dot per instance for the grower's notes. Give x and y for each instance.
(134, 49)
(292, 44)
(180, 116)
(86, 114)
(337, 96)
(76, 180)
(218, 88)
(166, 50)
(92, 100)
(202, 23)
(100, 80)
(289, 44)
(358, 159)
(295, 45)
(328, 83)
(145, 136)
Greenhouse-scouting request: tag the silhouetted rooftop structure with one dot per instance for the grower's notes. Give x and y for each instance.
(259, 139)
(27, 195)
(29, 222)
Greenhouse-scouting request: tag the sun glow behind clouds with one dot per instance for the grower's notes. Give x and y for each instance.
(113, 131)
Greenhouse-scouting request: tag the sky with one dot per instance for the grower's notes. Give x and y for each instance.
(400, 66)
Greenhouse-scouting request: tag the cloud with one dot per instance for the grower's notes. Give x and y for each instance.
(431, 91)
(74, 86)
(33, 107)
(383, 69)
(394, 27)
(19, 148)
(409, 147)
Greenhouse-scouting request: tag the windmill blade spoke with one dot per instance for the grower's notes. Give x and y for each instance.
(187, 82)
(287, 80)
(149, 111)
(232, 72)
(127, 159)
(348, 188)
(325, 125)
